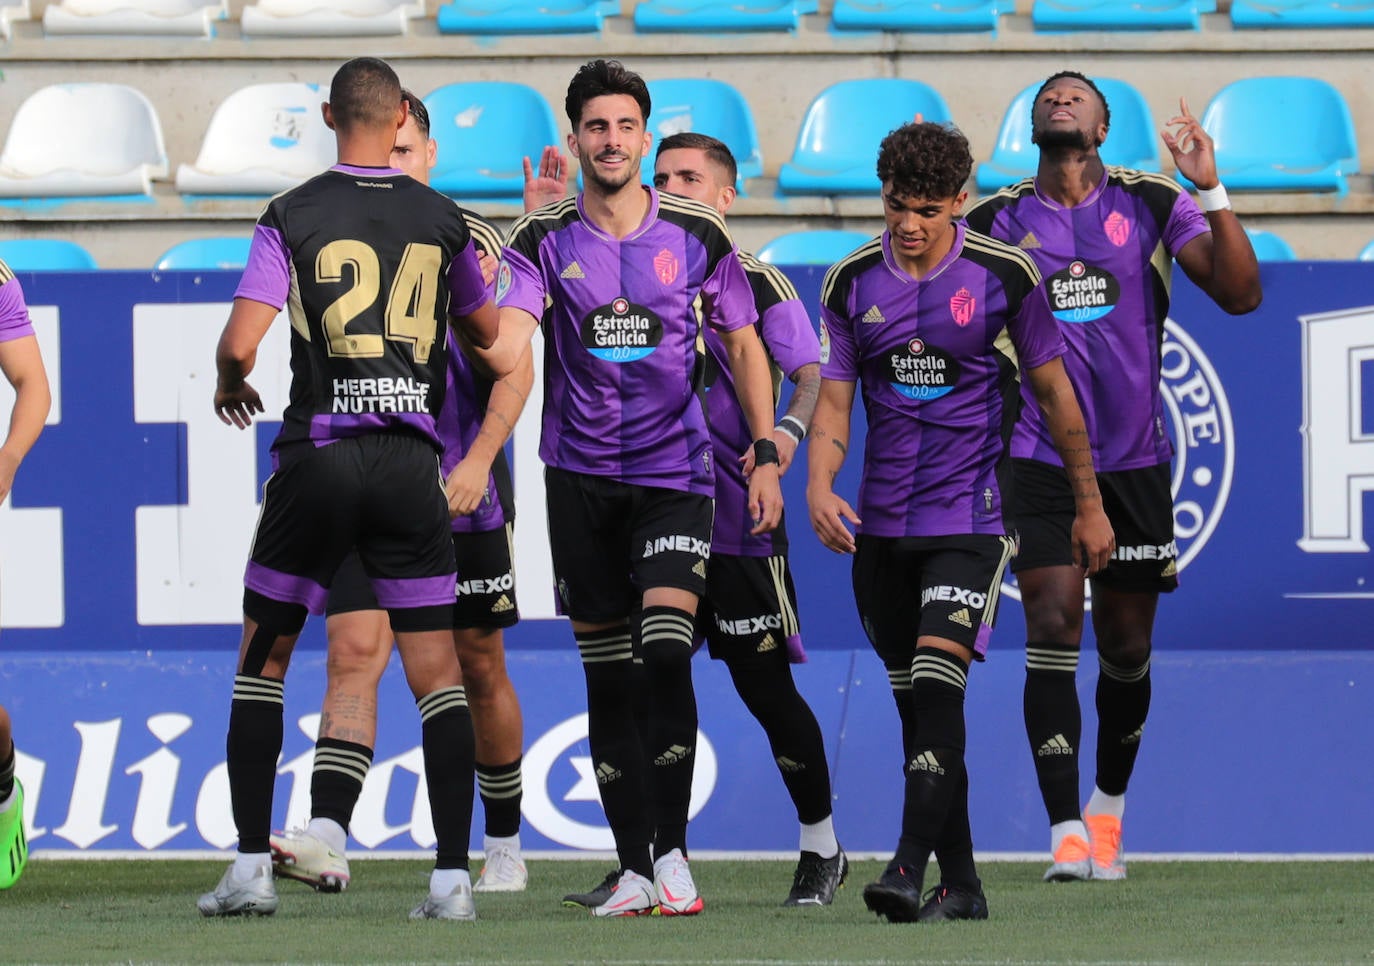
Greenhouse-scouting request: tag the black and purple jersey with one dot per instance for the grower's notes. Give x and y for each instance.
(465, 407)
(938, 363)
(14, 312)
(791, 342)
(620, 332)
(1107, 264)
(369, 263)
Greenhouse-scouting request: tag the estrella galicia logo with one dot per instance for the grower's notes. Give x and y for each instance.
(1199, 423)
(1082, 293)
(621, 331)
(561, 796)
(922, 372)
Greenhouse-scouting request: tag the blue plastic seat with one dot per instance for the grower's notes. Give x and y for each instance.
(483, 130)
(1366, 253)
(916, 16)
(1051, 16)
(707, 107)
(502, 17)
(820, 247)
(1132, 141)
(1300, 14)
(206, 253)
(45, 255)
(1312, 149)
(714, 16)
(1270, 247)
(837, 147)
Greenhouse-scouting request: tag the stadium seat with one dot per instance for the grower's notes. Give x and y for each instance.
(187, 18)
(83, 140)
(916, 16)
(1300, 14)
(707, 107)
(262, 139)
(714, 16)
(45, 255)
(820, 247)
(1270, 247)
(337, 18)
(1366, 253)
(502, 17)
(837, 147)
(206, 253)
(12, 11)
(1132, 142)
(1051, 16)
(1312, 150)
(484, 129)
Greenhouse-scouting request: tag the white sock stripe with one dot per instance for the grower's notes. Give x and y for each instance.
(339, 758)
(437, 702)
(1042, 659)
(778, 567)
(507, 787)
(656, 621)
(249, 688)
(1122, 674)
(668, 628)
(939, 670)
(355, 773)
(900, 680)
(596, 653)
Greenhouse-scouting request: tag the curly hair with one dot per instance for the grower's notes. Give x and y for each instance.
(598, 78)
(926, 160)
(1075, 75)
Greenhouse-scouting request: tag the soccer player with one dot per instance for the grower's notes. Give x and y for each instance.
(474, 423)
(1105, 240)
(750, 602)
(371, 262)
(935, 324)
(22, 364)
(629, 466)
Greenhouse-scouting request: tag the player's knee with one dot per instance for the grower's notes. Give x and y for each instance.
(1054, 622)
(1130, 650)
(483, 659)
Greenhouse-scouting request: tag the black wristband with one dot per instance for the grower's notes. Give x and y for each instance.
(765, 452)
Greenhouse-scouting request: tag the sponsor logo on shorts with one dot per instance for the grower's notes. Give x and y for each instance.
(484, 585)
(957, 595)
(678, 543)
(1168, 551)
(925, 761)
(769, 643)
(1082, 292)
(503, 605)
(1058, 745)
(673, 755)
(606, 773)
(961, 617)
(621, 331)
(746, 626)
(922, 371)
(699, 568)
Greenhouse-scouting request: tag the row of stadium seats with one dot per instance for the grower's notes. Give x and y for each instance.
(265, 138)
(353, 18)
(817, 247)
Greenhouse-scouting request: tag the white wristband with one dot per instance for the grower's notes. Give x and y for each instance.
(793, 427)
(1213, 199)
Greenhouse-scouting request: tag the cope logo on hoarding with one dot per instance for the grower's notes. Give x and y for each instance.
(1082, 293)
(922, 372)
(1199, 423)
(621, 331)
(561, 799)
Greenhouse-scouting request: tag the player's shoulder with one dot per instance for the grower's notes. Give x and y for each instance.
(690, 215)
(485, 236)
(6, 273)
(531, 228)
(1137, 181)
(842, 275)
(770, 284)
(1001, 258)
(982, 211)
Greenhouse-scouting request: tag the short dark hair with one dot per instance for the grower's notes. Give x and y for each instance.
(417, 111)
(716, 150)
(365, 92)
(926, 160)
(598, 78)
(1075, 75)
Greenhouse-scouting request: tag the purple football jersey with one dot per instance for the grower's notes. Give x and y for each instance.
(369, 263)
(620, 331)
(938, 363)
(791, 342)
(1107, 264)
(14, 312)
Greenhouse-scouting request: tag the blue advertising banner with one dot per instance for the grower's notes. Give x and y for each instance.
(123, 543)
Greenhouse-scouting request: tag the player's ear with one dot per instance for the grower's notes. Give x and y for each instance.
(572, 145)
(727, 197)
(403, 112)
(431, 153)
(959, 200)
(328, 115)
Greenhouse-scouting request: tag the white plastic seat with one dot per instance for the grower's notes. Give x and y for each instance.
(329, 18)
(83, 140)
(263, 139)
(11, 11)
(186, 18)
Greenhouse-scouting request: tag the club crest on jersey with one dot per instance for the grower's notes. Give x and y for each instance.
(1117, 228)
(1082, 293)
(621, 331)
(666, 267)
(920, 371)
(961, 306)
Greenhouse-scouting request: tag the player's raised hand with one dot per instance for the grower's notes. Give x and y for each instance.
(1192, 148)
(235, 407)
(551, 183)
